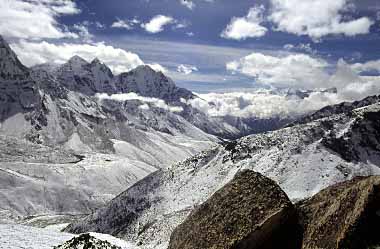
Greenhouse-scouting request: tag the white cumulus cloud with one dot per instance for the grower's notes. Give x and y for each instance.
(188, 4)
(125, 24)
(317, 18)
(83, 32)
(186, 69)
(35, 19)
(241, 28)
(157, 23)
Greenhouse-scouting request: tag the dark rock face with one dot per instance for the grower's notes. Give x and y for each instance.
(86, 241)
(361, 141)
(249, 212)
(344, 216)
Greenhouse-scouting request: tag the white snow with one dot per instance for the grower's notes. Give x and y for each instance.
(14, 236)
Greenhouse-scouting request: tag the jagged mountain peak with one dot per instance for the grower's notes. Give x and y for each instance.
(98, 67)
(10, 66)
(85, 77)
(145, 81)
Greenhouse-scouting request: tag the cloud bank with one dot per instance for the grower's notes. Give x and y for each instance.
(35, 19)
(32, 53)
(301, 71)
(261, 105)
(159, 103)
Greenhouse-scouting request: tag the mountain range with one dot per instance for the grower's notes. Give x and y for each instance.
(74, 136)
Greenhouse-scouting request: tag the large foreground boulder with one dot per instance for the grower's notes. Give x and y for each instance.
(344, 216)
(249, 212)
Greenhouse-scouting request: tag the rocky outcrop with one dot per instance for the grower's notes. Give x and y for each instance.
(249, 212)
(344, 216)
(86, 241)
(253, 212)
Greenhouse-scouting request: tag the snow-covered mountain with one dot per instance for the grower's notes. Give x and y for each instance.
(149, 83)
(51, 114)
(88, 78)
(55, 105)
(302, 159)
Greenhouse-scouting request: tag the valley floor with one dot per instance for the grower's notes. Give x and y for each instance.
(14, 236)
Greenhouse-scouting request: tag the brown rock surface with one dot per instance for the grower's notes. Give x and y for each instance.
(249, 212)
(344, 216)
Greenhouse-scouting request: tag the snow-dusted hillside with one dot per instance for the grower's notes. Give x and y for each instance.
(303, 159)
(39, 180)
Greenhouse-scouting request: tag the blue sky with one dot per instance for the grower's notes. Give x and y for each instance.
(196, 41)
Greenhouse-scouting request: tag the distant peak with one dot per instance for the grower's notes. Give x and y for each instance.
(77, 60)
(96, 61)
(144, 68)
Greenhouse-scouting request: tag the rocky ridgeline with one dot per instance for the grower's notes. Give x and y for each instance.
(253, 212)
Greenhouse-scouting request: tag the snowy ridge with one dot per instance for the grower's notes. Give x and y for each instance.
(299, 158)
